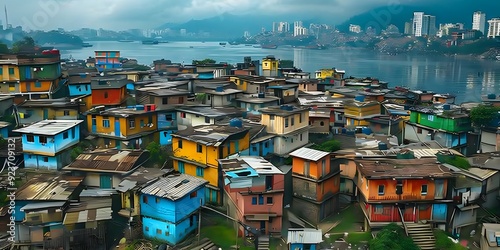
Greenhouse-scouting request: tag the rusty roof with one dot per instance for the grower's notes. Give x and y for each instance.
(405, 169)
(109, 160)
(49, 187)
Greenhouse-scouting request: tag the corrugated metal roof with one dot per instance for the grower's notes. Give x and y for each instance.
(109, 160)
(309, 154)
(49, 187)
(49, 127)
(173, 187)
(97, 192)
(41, 205)
(97, 209)
(304, 235)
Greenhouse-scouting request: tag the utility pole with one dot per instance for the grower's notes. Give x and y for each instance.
(199, 220)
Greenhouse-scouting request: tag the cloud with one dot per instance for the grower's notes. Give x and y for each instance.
(127, 14)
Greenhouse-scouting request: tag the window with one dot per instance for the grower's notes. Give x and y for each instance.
(323, 167)
(286, 122)
(292, 121)
(158, 231)
(131, 123)
(105, 94)
(30, 138)
(200, 171)
(1, 71)
(419, 130)
(193, 194)
(65, 135)
(271, 117)
(147, 229)
(322, 123)
(430, 118)
(261, 199)
(306, 168)
(141, 122)
(300, 137)
(157, 200)
(150, 119)
(38, 84)
(179, 143)
(105, 122)
(254, 148)
(269, 200)
(42, 139)
(45, 159)
(199, 148)
(424, 190)
(183, 115)
(254, 200)
(379, 209)
(167, 233)
(207, 119)
(300, 118)
(181, 99)
(164, 100)
(11, 71)
(66, 112)
(181, 167)
(381, 189)
(12, 87)
(228, 98)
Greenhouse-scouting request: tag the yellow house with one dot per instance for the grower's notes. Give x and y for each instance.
(329, 73)
(270, 66)
(196, 152)
(251, 84)
(356, 113)
(131, 127)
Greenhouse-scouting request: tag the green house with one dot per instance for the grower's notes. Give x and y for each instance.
(450, 122)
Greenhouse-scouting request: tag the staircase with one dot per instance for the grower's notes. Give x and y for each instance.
(263, 243)
(422, 235)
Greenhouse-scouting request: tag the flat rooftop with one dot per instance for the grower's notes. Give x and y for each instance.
(49, 127)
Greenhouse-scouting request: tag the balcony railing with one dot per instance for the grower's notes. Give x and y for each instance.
(401, 197)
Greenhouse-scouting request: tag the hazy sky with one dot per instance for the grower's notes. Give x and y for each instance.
(126, 14)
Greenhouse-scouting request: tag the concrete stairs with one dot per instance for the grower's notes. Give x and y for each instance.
(422, 235)
(263, 243)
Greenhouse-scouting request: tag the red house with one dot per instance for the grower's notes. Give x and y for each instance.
(109, 91)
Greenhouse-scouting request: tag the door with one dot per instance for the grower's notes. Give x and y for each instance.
(94, 124)
(409, 213)
(424, 212)
(439, 212)
(117, 127)
(439, 191)
(45, 114)
(263, 226)
(105, 181)
(132, 200)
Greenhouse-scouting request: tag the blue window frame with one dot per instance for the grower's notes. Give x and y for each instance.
(261, 200)
(181, 167)
(200, 171)
(105, 123)
(254, 200)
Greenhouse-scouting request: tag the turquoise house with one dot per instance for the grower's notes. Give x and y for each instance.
(167, 125)
(79, 84)
(47, 144)
(169, 207)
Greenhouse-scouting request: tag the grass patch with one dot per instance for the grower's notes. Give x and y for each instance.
(353, 238)
(349, 217)
(444, 243)
(223, 236)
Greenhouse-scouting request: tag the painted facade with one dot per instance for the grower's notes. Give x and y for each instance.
(356, 113)
(109, 91)
(105, 60)
(32, 111)
(79, 84)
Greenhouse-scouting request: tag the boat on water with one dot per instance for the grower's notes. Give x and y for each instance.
(257, 46)
(125, 41)
(269, 46)
(150, 42)
(87, 45)
(222, 44)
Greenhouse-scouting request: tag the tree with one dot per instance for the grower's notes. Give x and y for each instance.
(203, 62)
(483, 115)
(392, 237)
(158, 154)
(4, 49)
(26, 44)
(328, 146)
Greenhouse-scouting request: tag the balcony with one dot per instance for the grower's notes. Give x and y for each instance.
(403, 197)
(42, 218)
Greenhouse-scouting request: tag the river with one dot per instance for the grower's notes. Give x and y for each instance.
(468, 78)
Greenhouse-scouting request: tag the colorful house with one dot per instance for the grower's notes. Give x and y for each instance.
(191, 116)
(107, 60)
(408, 191)
(196, 151)
(47, 144)
(6, 104)
(129, 127)
(270, 66)
(254, 189)
(287, 93)
(289, 124)
(316, 184)
(304, 238)
(161, 97)
(253, 103)
(251, 84)
(32, 111)
(446, 126)
(319, 121)
(39, 215)
(169, 207)
(30, 76)
(330, 73)
(109, 91)
(79, 83)
(167, 125)
(357, 112)
(106, 168)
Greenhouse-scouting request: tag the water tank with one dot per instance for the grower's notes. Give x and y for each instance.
(382, 146)
(366, 131)
(360, 98)
(492, 96)
(139, 107)
(219, 89)
(262, 95)
(446, 107)
(235, 122)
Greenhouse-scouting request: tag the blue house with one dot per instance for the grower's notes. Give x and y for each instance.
(4, 129)
(47, 144)
(304, 238)
(79, 83)
(167, 125)
(169, 207)
(261, 142)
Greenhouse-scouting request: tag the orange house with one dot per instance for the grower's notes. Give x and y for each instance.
(395, 190)
(109, 90)
(316, 184)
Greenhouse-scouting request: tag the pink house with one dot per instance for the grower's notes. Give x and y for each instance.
(254, 191)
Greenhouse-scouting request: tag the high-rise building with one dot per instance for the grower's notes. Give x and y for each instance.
(417, 23)
(276, 27)
(431, 25)
(408, 29)
(479, 21)
(246, 34)
(284, 27)
(298, 29)
(494, 28)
